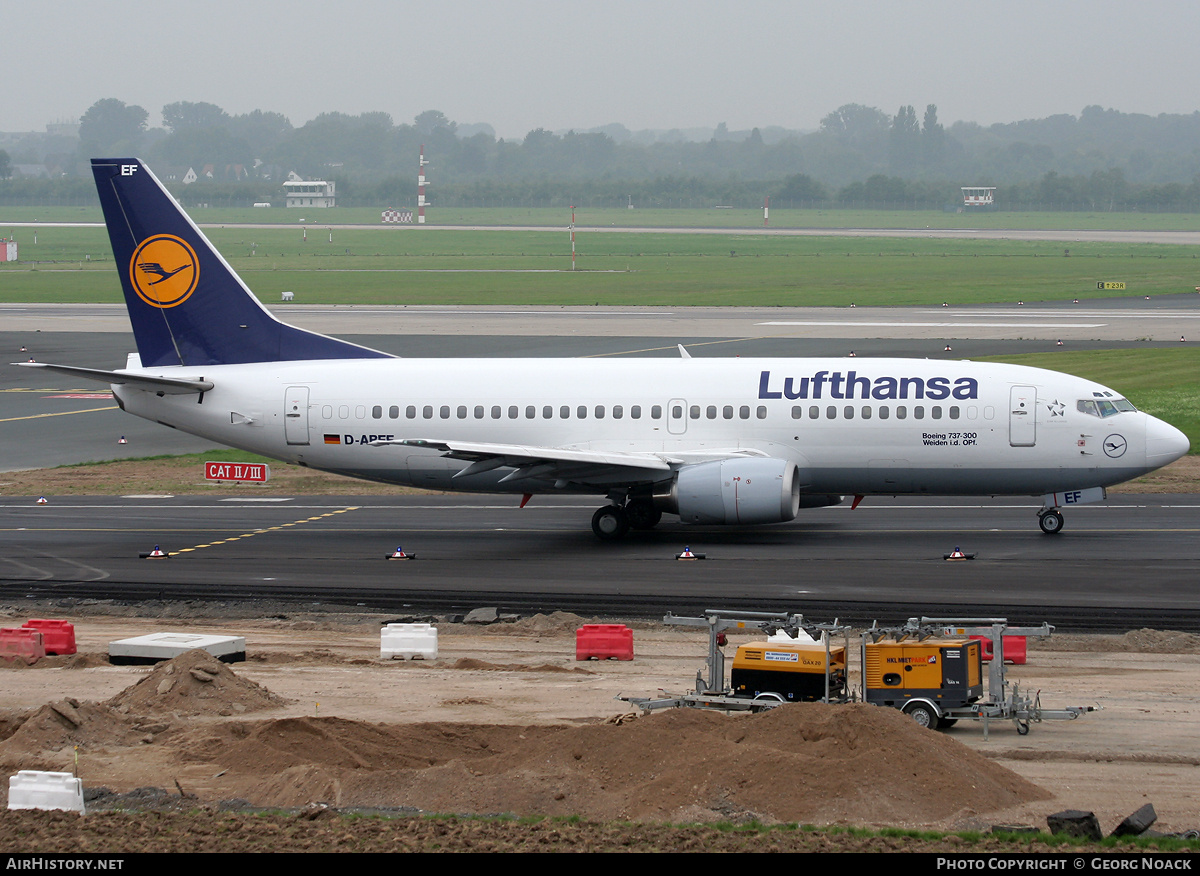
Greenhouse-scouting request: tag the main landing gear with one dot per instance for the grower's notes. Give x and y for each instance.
(1051, 521)
(611, 522)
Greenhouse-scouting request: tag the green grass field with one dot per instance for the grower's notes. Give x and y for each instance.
(409, 265)
(560, 217)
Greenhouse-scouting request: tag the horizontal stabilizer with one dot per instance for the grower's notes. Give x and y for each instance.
(145, 382)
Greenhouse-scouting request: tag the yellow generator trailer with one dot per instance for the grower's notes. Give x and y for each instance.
(789, 672)
(927, 678)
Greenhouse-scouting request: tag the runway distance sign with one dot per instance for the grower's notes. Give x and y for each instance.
(237, 471)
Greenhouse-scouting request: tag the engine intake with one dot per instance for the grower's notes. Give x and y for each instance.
(733, 491)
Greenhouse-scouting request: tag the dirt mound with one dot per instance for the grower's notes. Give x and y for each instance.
(802, 763)
(1143, 641)
(194, 683)
(39, 740)
(484, 665)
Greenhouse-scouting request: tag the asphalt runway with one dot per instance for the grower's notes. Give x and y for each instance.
(1126, 563)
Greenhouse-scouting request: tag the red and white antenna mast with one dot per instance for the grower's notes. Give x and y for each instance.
(572, 237)
(421, 187)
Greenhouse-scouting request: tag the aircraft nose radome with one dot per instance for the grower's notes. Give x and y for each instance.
(1164, 443)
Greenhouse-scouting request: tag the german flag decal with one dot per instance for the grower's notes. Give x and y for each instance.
(333, 439)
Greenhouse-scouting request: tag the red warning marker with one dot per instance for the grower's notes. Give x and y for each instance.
(156, 554)
(688, 555)
(122, 441)
(399, 554)
(957, 554)
(42, 500)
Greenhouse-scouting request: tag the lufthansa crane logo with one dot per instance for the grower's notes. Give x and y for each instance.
(164, 270)
(1115, 446)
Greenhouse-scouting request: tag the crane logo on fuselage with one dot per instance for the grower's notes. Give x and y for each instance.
(836, 385)
(164, 270)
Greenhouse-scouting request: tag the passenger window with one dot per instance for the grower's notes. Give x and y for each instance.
(344, 412)
(496, 412)
(618, 412)
(953, 412)
(797, 412)
(762, 412)
(394, 412)
(711, 412)
(744, 412)
(599, 412)
(866, 412)
(327, 412)
(513, 412)
(901, 412)
(831, 412)
(884, 412)
(936, 412)
(462, 412)
(530, 412)
(444, 412)
(656, 412)
(547, 412)
(377, 412)
(695, 412)
(478, 412)
(411, 412)
(727, 412)
(565, 412)
(427, 412)
(635, 412)
(360, 412)
(581, 412)
(677, 412)
(849, 412)
(814, 413)
(918, 412)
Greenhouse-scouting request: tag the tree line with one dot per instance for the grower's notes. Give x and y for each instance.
(859, 156)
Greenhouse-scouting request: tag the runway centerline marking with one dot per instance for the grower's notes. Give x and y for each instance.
(264, 529)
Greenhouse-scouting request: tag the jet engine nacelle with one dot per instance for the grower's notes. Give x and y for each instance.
(734, 491)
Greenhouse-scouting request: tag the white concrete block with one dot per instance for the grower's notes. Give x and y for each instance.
(164, 646)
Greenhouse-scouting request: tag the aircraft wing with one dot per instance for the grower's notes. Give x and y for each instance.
(549, 463)
(146, 382)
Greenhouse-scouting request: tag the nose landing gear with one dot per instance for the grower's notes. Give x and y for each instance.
(1051, 521)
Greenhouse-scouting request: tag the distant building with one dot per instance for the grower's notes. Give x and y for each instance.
(309, 193)
(979, 197)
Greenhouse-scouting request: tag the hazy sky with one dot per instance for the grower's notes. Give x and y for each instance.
(522, 64)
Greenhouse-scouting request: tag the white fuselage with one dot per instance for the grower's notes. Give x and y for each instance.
(851, 426)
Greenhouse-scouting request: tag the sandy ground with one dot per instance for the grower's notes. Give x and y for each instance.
(507, 721)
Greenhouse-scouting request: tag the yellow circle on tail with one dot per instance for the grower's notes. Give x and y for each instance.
(164, 270)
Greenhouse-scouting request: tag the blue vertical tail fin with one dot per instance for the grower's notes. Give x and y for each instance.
(187, 305)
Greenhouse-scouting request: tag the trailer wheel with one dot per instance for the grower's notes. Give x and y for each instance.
(770, 697)
(1022, 728)
(923, 715)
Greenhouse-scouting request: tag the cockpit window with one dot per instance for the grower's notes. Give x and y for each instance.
(1104, 407)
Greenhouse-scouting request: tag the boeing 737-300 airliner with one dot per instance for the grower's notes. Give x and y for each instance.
(714, 441)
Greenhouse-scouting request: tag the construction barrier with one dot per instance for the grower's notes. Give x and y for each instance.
(33, 789)
(408, 641)
(20, 644)
(1015, 649)
(57, 635)
(604, 642)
